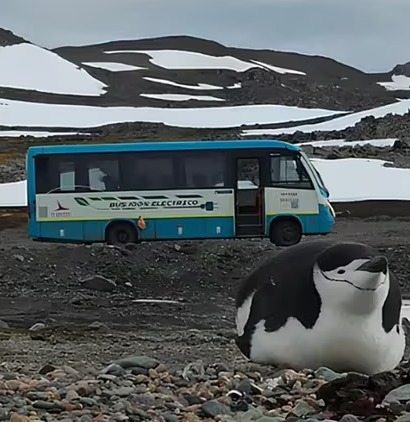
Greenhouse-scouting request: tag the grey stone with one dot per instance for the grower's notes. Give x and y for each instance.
(349, 418)
(142, 399)
(141, 413)
(4, 415)
(250, 415)
(401, 394)
(213, 408)
(396, 407)
(138, 361)
(121, 391)
(97, 325)
(302, 409)
(37, 395)
(98, 283)
(37, 327)
(139, 371)
(88, 401)
(403, 418)
(327, 374)
(169, 417)
(3, 325)
(46, 369)
(120, 417)
(270, 419)
(114, 369)
(48, 405)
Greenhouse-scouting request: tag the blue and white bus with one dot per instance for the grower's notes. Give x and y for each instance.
(130, 192)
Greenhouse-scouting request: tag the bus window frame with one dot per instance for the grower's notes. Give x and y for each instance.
(294, 155)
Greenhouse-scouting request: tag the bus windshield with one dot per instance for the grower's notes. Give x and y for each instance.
(317, 175)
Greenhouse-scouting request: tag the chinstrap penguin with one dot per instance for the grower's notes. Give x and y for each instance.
(322, 303)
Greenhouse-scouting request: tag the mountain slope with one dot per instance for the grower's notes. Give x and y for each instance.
(185, 82)
(259, 76)
(28, 67)
(8, 38)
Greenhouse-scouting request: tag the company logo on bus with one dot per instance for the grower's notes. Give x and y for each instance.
(186, 203)
(61, 211)
(135, 203)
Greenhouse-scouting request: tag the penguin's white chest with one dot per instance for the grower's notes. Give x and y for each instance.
(341, 341)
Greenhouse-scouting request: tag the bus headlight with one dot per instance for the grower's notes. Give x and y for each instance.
(332, 211)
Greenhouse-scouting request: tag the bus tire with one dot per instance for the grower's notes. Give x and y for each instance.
(285, 232)
(121, 233)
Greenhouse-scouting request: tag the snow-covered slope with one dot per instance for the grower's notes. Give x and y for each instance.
(185, 82)
(27, 66)
(176, 59)
(398, 83)
(19, 113)
(113, 67)
(339, 123)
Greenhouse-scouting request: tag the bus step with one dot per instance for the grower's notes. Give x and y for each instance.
(248, 220)
(249, 229)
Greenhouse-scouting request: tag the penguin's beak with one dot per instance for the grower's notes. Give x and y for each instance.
(377, 264)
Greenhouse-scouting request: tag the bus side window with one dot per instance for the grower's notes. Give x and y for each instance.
(67, 176)
(150, 171)
(42, 174)
(104, 175)
(288, 171)
(204, 170)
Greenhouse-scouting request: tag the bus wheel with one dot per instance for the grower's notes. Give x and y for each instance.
(120, 233)
(285, 232)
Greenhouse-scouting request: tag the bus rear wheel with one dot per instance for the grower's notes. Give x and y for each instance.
(285, 232)
(121, 233)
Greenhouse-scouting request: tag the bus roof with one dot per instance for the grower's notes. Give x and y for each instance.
(160, 146)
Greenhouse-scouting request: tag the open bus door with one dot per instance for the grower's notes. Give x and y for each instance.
(249, 198)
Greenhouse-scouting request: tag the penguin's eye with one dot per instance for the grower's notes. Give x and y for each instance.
(341, 271)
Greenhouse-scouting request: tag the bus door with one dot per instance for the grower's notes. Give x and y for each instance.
(249, 197)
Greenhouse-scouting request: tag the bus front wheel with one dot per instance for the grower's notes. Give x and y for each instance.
(285, 232)
(120, 233)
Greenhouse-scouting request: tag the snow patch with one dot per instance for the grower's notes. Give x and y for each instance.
(27, 66)
(181, 97)
(281, 70)
(114, 67)
(199, 86)
(177, 59)
(399, 83)
(342, 142)
(358, 179)
(19, 113)
(34, 134)
(13, 194)
(338, 123)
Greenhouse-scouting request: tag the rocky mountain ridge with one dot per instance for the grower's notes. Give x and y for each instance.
(184, 72)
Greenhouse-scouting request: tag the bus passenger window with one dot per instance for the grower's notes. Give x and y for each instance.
(104, 175)
(67, 176)
(289, 172)
(150, 171)
(204, 170)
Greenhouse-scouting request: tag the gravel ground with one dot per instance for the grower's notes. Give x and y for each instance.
(89, 297)
(69, 314)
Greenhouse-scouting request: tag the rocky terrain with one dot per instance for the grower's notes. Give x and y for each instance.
(147, 333)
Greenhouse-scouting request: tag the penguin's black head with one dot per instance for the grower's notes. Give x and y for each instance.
(348, 266)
